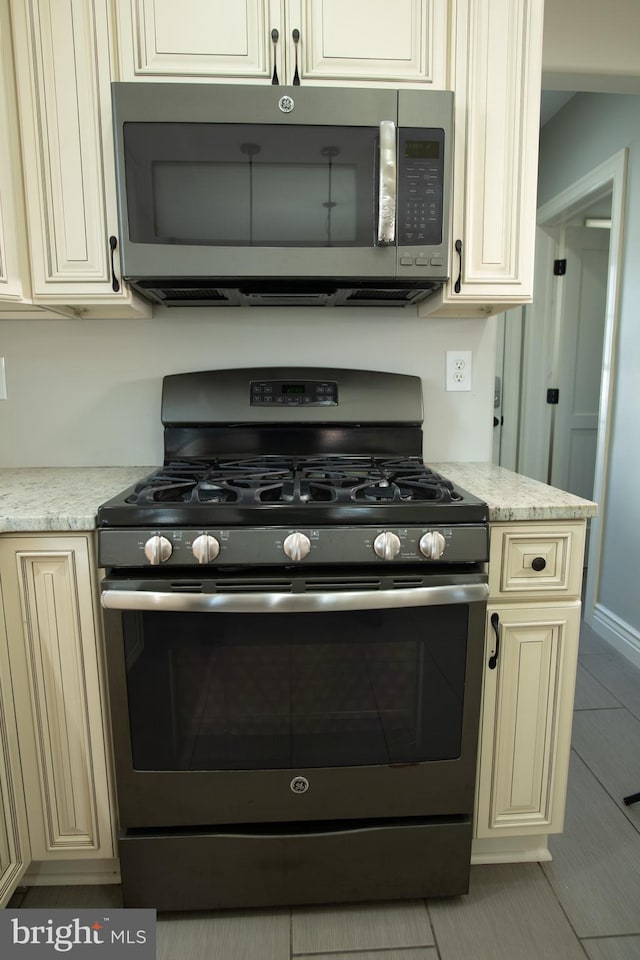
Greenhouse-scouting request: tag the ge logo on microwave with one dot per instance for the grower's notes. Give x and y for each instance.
(299, 784)
(286, 104)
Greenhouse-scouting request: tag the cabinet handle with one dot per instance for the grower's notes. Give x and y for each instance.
(296, 40)
(458, 284)
(275, 36)
(115, 286)
(495, 623)
(538, 564)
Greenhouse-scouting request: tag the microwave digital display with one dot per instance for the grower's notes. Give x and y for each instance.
(422, 149)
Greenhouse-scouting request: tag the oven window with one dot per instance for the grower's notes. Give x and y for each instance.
(278, 691)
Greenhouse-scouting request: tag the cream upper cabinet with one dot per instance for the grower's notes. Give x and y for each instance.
(497, 79)
(14, 837)
(52, 623)
(63, 75)
(12, 228)
(363, 41)
(15, 287)
(533, 625)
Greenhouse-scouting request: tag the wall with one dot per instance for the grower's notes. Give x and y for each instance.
(88, 392)
(585, 133)
(591, 45)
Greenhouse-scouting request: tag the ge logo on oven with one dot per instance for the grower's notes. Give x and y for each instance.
(299, 784)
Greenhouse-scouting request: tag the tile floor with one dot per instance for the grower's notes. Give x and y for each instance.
(584, 904)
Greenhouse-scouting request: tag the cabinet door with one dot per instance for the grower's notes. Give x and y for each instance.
(498, 54)
(63, 79)
(370, 41)
(52, 626)
(13, 261)
(14, 844)
(205, 40)
(526, 719)
(363, 41)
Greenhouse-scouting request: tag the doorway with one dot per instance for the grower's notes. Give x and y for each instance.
(580, 337)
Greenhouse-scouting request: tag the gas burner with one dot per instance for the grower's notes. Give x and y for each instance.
(268, 480)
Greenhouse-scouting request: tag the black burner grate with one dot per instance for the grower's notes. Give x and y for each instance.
(272, 479)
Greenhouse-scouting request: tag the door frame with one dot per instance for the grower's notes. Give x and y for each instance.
(608, 177)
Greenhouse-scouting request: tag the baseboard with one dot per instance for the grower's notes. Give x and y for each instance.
(510, 850)
(619, 634)
(52, 873)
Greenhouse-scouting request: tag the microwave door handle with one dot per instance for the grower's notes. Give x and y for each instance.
(387, 184)
(142, 600)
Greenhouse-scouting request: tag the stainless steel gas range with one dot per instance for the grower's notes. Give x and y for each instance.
(294, 610)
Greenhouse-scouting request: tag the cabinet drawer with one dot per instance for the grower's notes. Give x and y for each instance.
(532, 558)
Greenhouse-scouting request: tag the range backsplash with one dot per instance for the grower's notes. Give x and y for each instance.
(87, 392)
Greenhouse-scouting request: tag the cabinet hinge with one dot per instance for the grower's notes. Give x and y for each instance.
(559, 268)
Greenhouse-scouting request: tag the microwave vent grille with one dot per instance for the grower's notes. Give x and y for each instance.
(296, 293)
(390, 295)
(201, 293)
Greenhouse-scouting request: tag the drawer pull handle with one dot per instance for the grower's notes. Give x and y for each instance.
(538, 564)
(495, 623)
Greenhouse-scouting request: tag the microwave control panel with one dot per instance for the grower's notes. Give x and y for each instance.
(273, 393)
(420, 187)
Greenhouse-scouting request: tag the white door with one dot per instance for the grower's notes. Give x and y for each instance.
(575, 432)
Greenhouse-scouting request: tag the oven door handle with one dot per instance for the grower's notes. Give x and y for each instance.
(144, 600)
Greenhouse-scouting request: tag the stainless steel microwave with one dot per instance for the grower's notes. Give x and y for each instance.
(247, 195)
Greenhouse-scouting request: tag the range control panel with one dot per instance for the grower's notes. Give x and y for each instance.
(285, 545)
(294, 393)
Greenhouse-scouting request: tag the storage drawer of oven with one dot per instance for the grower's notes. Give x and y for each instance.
(532, 558)
(291, 864)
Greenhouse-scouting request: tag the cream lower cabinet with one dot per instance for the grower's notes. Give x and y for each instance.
(14, 837)
(362, 41)
(63, 76)
(52, 623)
(533, 624)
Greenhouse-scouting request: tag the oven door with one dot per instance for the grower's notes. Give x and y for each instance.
(315, 700)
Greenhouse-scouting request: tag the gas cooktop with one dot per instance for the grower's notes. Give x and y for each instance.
(293, 489)
(248, 483)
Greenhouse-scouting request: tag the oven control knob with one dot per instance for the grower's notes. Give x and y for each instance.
(158, 549)
(432, 545)
(387, 545)
(296, 546)
(205, 548)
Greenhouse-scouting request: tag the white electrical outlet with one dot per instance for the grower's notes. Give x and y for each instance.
(3, 380)
(458, 370)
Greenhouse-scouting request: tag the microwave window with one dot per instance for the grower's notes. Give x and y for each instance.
(265, 204)
(250, 184)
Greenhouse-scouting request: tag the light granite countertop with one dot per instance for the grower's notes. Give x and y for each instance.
(40, 499)
(37, 499)
(512, 497)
